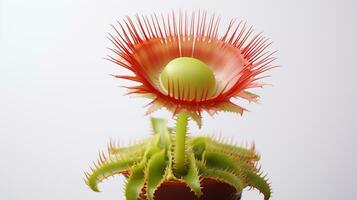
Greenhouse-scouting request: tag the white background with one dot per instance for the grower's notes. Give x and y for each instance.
(59, 106)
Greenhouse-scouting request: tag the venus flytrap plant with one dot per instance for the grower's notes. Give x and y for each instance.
(182, 65)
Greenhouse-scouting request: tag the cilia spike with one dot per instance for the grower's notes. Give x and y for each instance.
(181, 62)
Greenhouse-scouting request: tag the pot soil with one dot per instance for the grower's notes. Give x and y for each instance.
(212, 190)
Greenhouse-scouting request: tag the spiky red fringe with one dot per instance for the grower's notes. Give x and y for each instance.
(145, 45)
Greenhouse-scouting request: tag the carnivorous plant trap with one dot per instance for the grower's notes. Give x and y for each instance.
(180, 63)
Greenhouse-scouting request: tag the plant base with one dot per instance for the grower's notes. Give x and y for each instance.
(212, 190)
(212, 168)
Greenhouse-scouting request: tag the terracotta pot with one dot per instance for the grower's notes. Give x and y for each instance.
(212, 190)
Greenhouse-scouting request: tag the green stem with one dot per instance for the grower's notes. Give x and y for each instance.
(181, 130)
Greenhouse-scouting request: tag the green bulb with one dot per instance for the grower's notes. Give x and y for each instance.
(188, 78)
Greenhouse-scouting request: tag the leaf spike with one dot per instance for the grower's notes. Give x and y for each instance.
(135, 182)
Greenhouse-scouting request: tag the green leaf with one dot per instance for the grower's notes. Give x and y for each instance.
(155, 173)
(129, 151)
(108, 168)
(248, 174)
(135, 182)
(260, 183)
(158, 125)
(198, 146)
(152, 150)
(155, 142)
(192, 178)
(220, 160)
(160, 128)
(169, 171)
(235, 151)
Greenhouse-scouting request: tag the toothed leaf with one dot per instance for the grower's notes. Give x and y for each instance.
(169, 154)
(129, 151)
(107, 169)
(135, 182)
(151, 151)
(220, 160)
(235, 151)
(155, 173)
(169, 170)
(192, 178)
(258, 182)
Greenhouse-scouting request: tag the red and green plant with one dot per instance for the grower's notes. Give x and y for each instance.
(182, 64)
